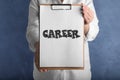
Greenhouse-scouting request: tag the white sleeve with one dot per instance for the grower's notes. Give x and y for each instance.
(94, 28)
(32, 33)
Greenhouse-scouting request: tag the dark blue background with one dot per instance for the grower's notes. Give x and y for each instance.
(16, 60)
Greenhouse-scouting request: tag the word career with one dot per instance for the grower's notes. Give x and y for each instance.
(61, 33)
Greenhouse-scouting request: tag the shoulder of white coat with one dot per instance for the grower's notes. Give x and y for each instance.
(78, 1)
(37, 1)
(43, 1)
(87, 2)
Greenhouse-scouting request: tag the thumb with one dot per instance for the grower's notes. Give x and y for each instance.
(82, 4)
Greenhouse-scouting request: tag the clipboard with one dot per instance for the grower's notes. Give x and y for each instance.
(67, 54)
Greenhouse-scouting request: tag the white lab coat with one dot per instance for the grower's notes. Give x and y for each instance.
(33, 36)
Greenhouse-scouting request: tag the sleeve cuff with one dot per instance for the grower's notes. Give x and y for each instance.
(92, 33)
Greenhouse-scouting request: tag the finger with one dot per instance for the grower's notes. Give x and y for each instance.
(81, 8)
(86, 18)
(82, 4)
(86, 7)
(88, 15)
(43, 70)
(88, 10)
(85, 10)
(90, 18)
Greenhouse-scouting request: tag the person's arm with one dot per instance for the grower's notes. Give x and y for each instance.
(91, 28)
(32, 33)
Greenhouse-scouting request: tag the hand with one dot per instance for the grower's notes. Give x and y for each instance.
(36, 52)
(88, 14)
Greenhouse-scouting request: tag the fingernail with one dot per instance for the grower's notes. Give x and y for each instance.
(81, 4)
(81, 9)
(44, 70)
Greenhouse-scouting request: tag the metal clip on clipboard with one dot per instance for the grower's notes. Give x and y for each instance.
(60, 6)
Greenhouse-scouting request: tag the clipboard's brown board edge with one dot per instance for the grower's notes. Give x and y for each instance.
(37, 59)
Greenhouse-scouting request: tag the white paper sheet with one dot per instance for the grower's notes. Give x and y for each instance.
(63, 51)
